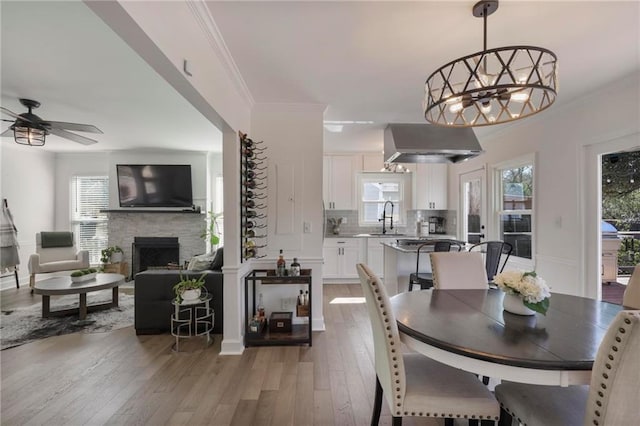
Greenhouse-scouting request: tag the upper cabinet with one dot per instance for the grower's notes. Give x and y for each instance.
(338, 189)
(430, 186)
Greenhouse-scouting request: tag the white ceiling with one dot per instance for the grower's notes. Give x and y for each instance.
(365, 60)
(62, 55)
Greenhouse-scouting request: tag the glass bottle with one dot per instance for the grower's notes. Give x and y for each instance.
(260, 309)
(301, 298)
(295, 267)
(281, 265)
(306, 297)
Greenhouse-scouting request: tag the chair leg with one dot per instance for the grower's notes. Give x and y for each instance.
(397, 421)
(15, 271)
(32, 280)
(485, 380)
(377, 404)
(505, 418)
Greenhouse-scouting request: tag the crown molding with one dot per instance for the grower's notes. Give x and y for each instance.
(208, 25)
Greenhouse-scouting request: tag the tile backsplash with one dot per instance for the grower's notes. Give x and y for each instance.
(349, 225)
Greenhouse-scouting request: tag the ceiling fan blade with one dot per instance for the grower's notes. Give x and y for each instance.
(7, 132)
(10, 113)
(76, 127)
(72, 136)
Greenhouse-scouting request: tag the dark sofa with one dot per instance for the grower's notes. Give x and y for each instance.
(154, 293)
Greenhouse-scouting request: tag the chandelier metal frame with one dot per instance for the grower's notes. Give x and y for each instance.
(492, 86)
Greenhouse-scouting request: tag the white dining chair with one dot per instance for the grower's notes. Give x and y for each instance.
(610, 399)
(458, 271)
(413, 384)
(631, 297)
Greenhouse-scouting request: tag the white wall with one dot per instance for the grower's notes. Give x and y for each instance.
(197, 160)
(67, 166)
(557, 137)
(28, 184)
(293, 136)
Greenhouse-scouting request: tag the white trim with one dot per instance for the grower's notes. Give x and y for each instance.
(209, 27)
(495, 204)
(464, 177)
(590, 213)
(231, 347)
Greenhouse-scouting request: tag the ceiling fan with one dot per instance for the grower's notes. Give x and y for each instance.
(29, 129)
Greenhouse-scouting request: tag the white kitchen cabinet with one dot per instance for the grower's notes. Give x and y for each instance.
(430, 187)
(375, 255)
(340, 258)
(338, 189)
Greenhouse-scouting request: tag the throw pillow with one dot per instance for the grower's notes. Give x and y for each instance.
(200, 262)
(218, 260)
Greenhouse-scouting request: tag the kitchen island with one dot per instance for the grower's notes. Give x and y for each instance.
(400, 260)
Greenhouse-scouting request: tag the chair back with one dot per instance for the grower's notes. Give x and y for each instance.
(59, 247)
(615, 378)
(438, 246)
(631, 298)
(493, 251)
(389, 363)
(463, 270)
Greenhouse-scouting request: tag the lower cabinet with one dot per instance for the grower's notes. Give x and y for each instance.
(340, 257)
(375, 255)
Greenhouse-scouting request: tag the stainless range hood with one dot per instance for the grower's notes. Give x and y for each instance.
(425, 143)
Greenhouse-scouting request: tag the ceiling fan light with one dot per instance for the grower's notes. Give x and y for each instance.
(29, 136)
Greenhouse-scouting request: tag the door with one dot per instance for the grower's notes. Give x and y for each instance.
(473, 205)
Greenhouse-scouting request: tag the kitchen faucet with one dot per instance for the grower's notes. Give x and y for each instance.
(384, 217)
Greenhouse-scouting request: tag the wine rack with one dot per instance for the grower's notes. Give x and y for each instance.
(253, 197)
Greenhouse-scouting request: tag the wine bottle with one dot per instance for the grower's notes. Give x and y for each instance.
(281, 265)
(295, 268)
(261, 313)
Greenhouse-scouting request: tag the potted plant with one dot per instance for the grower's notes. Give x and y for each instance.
(111, 254)
(83, 275)
(189, 289)
(212, 229)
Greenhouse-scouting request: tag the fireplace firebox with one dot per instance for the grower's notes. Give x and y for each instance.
(154, 251)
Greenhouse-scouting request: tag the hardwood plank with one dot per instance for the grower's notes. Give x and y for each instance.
(119, 378)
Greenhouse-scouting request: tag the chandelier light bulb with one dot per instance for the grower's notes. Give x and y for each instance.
(519, 96)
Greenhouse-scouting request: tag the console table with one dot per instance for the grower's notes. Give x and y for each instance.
(262, 279)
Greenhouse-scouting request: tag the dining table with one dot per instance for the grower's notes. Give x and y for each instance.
(469, 330)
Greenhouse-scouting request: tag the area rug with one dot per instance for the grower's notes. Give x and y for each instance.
(25, 324)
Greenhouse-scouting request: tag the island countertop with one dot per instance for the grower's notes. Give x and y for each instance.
(411, 245)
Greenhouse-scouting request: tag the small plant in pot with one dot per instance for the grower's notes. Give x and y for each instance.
(111, 255)
(189, 289)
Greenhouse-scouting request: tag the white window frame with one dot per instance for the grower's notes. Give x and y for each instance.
(497, 206)
(96, 217)
(400, 206)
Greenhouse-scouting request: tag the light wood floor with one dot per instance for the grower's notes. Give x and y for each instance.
(120, 378)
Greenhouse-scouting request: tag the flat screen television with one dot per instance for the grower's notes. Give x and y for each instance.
(154, 185)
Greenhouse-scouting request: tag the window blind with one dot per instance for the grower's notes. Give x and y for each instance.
(90, 196)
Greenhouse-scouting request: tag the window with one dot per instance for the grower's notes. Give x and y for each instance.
(90, 194)
(515, 195)
(375, 189)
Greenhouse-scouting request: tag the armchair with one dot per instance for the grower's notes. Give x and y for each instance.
(55, 252)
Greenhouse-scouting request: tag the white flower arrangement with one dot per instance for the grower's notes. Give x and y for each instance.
(529, 286)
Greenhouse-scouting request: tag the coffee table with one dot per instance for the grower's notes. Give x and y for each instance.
(59, 286)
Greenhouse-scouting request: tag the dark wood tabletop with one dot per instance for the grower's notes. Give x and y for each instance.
(473, 324)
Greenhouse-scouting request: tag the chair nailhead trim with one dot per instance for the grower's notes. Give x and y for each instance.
(603, 386)
(598, 403)
(622, 330)
(605, 375)
(608, 366)
(618, 339)
(600, 394)
(595, 422)
(597, 413)
(615, 348)
(627, 321)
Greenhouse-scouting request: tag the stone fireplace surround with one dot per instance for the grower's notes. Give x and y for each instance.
(124, 225)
